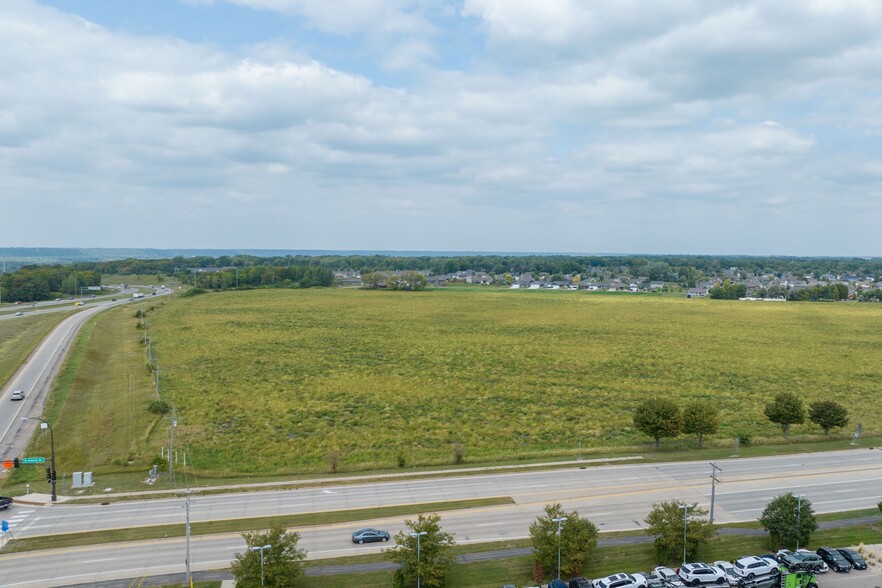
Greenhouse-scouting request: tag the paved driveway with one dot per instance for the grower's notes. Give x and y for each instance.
(853, 579)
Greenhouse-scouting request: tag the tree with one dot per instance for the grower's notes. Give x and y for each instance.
(434, 553)
(665, 521)
(282, 562)
(828, 414)
(409, 281)
(780, 519)
(700, 418)
(578, 538)
(658, 418)
(785, 409)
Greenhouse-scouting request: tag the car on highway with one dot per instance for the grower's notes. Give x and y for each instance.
(834, 559)
(694, 574)
(621, 581)
(17, 395)
(580, 582)
(752, 566)
(5, 502)
(853, 557)
(812, 561)
(369, 536)
(19, 313)
(668, 576)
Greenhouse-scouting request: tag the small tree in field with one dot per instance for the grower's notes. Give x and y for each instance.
(785, 409)
(828, 414)
(282, 561)
(657, 418)
(666, 523)
(578, 538)
(789, 520)
(434, 553)
(700, 418)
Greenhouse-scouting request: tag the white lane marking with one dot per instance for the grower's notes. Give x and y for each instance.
(488, 524)
(26, 511)
(790, 487)
(848, 490)
(97, 560)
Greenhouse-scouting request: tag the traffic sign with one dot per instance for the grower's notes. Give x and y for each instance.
(33, 459)
(7, 464)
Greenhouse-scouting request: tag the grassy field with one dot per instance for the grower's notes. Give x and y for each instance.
(98, 406)
(287, 377)
(19, 336)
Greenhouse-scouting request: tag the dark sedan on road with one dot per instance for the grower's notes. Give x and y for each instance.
(834, 559)
(854, 558)
(5, 501)
(369, 536)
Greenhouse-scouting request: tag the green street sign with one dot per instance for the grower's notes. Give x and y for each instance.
(33, 459)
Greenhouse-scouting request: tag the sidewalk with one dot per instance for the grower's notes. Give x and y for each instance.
(43, 499)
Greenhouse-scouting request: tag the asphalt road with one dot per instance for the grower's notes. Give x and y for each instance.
(614, 497)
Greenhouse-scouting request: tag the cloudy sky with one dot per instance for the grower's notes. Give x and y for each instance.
(662, 126)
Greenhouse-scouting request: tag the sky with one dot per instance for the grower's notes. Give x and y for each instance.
(609, 126)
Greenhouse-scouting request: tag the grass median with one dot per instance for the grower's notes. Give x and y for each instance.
(241, 525)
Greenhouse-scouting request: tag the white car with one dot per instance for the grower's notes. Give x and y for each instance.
(17, 395)
(695, 574)
(752, 566)
(621, 581)
(729, 570)
(669, 576)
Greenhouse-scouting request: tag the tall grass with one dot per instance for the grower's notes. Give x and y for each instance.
(274, 381)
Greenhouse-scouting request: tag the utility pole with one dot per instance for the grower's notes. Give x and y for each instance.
(714, 482)
(171, 447)
(187, 509)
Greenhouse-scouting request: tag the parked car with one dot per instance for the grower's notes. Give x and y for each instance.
(369, 536)
(5, 502)
(694, 574)
(752, 566)
(557, 583)
(728, 569)
(17, 395)
(668, 576)
(621, 581)
(812, 561)
(834, 559)
(791, 562)
(853, 557)
(580, 582)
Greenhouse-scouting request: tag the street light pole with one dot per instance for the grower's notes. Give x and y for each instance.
(714, 481)
(52, 476)
(418, 535)
(685, 508)
(260, 549)
(798, 508)
(558, 520)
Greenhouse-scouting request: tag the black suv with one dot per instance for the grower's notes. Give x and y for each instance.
(834, 559)
(580, 582)
(854, 558)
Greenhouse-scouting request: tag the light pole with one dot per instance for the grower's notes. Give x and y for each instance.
(685, 508)
(260, 549)
(52, 476)
(558, 520)
(798, 508)
(418, 535)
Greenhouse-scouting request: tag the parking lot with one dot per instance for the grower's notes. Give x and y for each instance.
(871, 578)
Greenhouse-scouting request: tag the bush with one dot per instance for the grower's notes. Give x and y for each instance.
(192, 292)
(159, 407)
(160, 462)
(401, 461)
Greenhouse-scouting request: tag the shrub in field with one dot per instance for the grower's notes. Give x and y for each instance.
(458, 453)
(159, 407)
(401, 460)
(160, 462)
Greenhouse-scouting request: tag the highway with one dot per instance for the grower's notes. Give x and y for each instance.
(614, 497)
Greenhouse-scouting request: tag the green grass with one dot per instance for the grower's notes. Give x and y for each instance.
(20, 336)
(99, 402)
(287, 376)
(241, 525)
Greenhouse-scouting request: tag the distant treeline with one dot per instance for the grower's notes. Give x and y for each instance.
(297, 276)
(42, 282)
(673, 268)
(731, 291)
